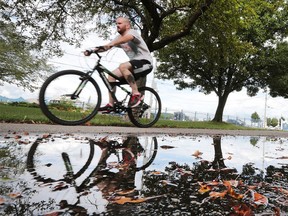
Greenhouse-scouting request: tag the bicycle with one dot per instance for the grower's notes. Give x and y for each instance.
(72, 97)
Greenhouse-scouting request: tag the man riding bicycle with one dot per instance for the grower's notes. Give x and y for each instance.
(140, 60)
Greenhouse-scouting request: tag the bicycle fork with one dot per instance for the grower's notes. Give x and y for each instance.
(81, 86)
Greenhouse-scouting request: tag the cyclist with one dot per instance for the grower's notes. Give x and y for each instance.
(140, 60)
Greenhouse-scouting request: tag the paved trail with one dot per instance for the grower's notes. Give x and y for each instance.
(45, 128)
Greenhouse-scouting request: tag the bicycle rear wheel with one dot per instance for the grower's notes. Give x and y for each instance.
(59, 103)
(146, 157)
(147, 113)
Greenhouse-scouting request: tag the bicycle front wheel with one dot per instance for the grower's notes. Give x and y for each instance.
(70, 97)
(147, 113)
(46, 165)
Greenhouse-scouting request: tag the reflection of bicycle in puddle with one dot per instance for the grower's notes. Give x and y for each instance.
(71, 164)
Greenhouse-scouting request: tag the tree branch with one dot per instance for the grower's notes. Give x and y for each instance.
(185, 31)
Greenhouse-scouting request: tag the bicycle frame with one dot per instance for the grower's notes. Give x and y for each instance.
(102, 71)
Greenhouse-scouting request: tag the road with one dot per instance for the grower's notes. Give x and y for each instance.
(47, 128)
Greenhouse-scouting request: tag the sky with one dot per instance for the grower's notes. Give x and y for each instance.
(191, 102)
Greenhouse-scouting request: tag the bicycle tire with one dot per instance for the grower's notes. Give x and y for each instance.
(152, 156)
(57, 104)
(32, 160)
(148, 112)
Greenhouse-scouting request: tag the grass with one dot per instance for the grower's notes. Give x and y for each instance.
(32, 114)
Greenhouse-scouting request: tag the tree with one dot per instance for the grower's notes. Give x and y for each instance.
(51, 22)
(273, 122)
(255, 117)
(276, 66)
(226, 50)
(17, 63)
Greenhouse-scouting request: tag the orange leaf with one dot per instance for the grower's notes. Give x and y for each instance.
(204, 188)
(88, 123)
(156, 173)
(122, 199)
(14, 195)
(242, 210)
(125, 192)
(260, 199)
(233, 194)
(45, 136)
(197, 154)
(214, 194)
(2, 200)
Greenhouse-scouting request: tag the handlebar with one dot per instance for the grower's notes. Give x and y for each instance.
(95, 50)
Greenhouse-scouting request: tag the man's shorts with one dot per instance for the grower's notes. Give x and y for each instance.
(141, 67)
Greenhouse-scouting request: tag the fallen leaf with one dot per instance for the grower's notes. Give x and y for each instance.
(2, 200)
(204, 187)
(260, 199)
(15, 195)
(197, 154)
(229, 157)
(282, 157)
(242, 210)
(167, 147)
(235, 195)
(156, 173)
(23, 142)
(215, 194)
(125, 192)
(88, 123)
(60, 186)
(122, 199)
(44, 136)
(184, 172)
(165, 182)
(17, 136)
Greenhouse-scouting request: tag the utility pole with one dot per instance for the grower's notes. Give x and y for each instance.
(265, 109)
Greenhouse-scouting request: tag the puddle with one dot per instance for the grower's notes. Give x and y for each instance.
(76, 174)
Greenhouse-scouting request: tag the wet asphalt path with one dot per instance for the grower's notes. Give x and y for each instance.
(45, 128)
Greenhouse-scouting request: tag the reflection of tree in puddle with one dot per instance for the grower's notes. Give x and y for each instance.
(210, 188)
(15, 196)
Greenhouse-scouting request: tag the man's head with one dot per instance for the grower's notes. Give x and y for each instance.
(123, 24)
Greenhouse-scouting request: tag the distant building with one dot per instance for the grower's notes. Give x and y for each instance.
(180, 116)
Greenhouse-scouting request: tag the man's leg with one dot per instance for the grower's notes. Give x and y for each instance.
(112, 79)
(109, 107)
(125, 69)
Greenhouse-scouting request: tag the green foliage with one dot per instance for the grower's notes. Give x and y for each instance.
(51, 22)
(273, 122)
(18, 65)
(255, 117)
(226, 49)
(276, 65)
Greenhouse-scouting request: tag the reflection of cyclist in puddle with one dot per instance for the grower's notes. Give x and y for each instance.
(107, 179)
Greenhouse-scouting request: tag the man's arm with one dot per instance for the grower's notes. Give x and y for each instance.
(119, 40)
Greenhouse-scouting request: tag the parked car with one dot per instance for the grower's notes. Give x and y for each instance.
(236, 122)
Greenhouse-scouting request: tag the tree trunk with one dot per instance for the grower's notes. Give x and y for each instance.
(218, 162)
(220, 108)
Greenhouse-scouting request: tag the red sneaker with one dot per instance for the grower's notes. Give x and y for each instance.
(106, 109)
(135, 100)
